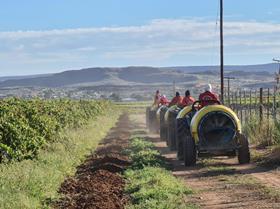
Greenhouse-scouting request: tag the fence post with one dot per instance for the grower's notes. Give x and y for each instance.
(261, 104)
(245, 105)
(268, 103)
(232, 101)
(274, 103)
(250, 107)
(236, 103)
(240, 98)
(256, 102)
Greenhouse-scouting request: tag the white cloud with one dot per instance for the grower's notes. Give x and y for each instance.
(161, 41)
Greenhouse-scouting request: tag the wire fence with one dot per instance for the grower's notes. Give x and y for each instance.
(261, 103)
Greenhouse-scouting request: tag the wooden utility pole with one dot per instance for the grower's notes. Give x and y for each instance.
(222, 49)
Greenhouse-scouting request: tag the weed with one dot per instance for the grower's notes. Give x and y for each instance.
(149, 184)
(142, 154)
(155, 188)
(265, 133)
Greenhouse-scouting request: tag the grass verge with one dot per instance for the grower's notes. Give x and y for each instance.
(264, 133)
(149, 184)
(34, 183)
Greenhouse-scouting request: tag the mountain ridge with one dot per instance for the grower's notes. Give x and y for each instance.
(133, 75)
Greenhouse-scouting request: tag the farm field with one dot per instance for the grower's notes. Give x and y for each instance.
(112, 161)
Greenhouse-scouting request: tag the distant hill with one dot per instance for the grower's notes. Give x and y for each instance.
(101, 76)
(135, 76)
(22, 77)
(270, 67)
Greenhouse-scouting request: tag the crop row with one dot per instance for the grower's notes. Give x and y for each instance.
(28, 125)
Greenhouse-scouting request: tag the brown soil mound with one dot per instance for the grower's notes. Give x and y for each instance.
(102, 189)
(97, 183)
(112, 162)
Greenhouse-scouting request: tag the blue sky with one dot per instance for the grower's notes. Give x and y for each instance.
(55, 35)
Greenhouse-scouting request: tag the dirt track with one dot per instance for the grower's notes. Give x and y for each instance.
(219, 183)
(223, 183)
(97, 183)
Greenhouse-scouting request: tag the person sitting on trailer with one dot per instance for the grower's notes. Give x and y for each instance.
(157, 98)
(208, 97)
(188, 99)
(163, 100)
(177, 100)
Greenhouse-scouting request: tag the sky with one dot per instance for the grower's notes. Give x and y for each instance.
(49, 36)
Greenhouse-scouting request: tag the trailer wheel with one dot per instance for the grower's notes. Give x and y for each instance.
(171, 134)
(181, 132)
(152, 121)
(243, 150)
(163, 128)
(189, 151)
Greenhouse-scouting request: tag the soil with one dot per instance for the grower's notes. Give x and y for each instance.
(221, 182)
(218, 182)
(97, 183)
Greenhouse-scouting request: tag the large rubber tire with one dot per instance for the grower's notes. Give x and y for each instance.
(190, 152)
(151, 121)
(182, 129)
(163, 127)
(243, 150)
(171, 134)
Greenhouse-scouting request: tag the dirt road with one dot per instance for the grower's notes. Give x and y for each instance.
(218, 183)
(97, 182)
(223, 183)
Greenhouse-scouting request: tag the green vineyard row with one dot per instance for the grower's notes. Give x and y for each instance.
(28, 125)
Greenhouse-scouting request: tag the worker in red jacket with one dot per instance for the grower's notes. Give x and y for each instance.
(188, 99)
(177, 100)
(208, 97)
(163, 100)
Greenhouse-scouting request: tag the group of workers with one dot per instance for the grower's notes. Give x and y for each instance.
(206, 98)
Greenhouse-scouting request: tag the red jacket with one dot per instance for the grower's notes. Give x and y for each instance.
(206, 96)
(163, 101)
(187, 101)
(176, 101)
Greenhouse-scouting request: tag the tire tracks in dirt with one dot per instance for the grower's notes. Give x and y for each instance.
(97, 183)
